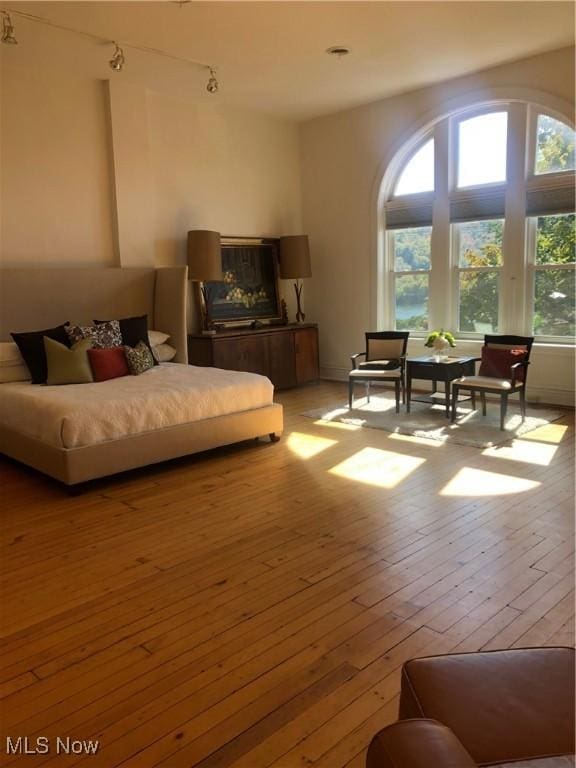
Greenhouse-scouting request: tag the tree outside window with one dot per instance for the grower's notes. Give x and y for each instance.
(411, 267)
(479, 262)
(554, 296)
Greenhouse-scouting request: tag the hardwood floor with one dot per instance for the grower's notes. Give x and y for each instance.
(252, 607)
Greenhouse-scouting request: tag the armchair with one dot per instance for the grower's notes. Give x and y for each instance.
(384, 360)
(493, 708)
(499, 374)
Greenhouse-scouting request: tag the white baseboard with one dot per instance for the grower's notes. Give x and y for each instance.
(539, 395)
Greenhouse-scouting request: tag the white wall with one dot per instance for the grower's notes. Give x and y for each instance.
(98, 172)
(219, 168)
(55, 180)
(344, 157)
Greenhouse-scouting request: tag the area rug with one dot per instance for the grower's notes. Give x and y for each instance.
(429, 421)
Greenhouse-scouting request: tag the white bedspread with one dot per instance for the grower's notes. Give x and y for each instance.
(75, 415)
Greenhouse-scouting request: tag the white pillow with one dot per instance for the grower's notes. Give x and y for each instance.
(16, 372)
(157, 337)
(10, 354)
(164, 353)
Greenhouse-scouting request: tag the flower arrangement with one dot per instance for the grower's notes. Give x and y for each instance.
(440, 340)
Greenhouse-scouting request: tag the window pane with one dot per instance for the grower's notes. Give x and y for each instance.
(554, 302)
(478, 311)
(554, 146)
(556, 241)
(482, 149)
(412, 302)
(412, 248)
(418, 175)
(480, 243)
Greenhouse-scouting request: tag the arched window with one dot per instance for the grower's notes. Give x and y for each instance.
(484, 240)
(418, 173)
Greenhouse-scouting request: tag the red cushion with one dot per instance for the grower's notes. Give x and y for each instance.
(497, 362)
(108, 363)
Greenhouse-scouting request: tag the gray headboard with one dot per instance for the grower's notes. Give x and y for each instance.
(33, 298)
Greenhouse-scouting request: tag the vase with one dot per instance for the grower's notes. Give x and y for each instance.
(441, 347)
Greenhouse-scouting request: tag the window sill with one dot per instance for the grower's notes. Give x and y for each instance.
(541, 346)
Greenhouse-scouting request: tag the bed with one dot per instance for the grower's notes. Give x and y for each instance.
(79, 432)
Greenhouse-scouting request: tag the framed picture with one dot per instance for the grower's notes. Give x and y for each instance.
(250, 289)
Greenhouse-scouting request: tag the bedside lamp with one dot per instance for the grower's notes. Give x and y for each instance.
(204, 265)
(295, 264)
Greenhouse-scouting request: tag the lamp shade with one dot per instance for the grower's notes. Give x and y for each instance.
(295, 257)
(204, 255)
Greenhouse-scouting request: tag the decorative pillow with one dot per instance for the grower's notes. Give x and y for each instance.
(156, 338)
(163, 353)
(9, 373)
(132, 330)
(108, 363)
(31, 346)
(68, 365)
(139, 358)
(12, 365)
(497, 362)
(103, 336)
(10, 354)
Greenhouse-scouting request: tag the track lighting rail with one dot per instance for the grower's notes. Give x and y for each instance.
(118, 59)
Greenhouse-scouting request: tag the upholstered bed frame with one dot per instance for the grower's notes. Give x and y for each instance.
(32, 298)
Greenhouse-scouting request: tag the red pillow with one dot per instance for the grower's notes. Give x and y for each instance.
(108, 363)
(497, 362)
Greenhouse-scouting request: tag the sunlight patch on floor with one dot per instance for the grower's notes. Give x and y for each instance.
(549, 433)
(541, 454)
(337, 425)
(477, 482)
(307, 446)
(373, 466)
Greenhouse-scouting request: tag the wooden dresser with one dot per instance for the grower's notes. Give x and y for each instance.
(287, 354)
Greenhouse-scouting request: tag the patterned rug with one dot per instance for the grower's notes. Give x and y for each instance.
(429, 421)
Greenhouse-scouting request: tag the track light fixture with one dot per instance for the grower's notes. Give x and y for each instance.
(8, 30)
(117, 61)
(212, 85)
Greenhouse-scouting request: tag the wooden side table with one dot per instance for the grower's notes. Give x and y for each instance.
(428, 369)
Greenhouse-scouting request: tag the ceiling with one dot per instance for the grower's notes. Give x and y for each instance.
(270, 56)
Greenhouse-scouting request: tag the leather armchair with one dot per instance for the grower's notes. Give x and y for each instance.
(417, 744)
(492, 708)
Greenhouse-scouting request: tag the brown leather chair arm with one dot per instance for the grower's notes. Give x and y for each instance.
(418, 743)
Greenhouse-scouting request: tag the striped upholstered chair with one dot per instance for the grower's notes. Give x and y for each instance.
(383, 361)
(503, 372)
